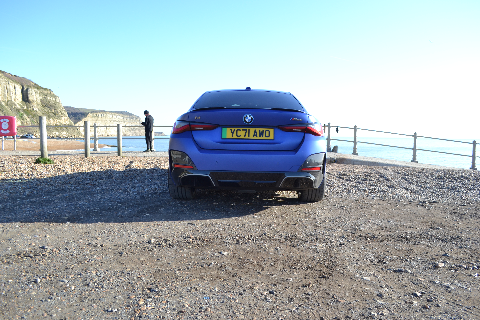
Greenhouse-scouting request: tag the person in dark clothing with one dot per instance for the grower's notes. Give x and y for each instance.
(148, 131)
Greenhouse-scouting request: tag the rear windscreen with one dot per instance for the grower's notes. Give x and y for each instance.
(243, 99)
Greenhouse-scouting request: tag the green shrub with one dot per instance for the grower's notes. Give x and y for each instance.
(44, 161)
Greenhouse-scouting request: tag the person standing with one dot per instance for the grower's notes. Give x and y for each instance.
(148, 131)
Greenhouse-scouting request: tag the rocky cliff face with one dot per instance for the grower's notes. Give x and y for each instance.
(107, 121)
(27, 101)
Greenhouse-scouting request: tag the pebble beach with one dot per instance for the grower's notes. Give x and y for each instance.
(100, 238)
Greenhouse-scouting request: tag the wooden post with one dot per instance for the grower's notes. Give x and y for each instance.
(414, 159)
(328, 137)
(474, 155)
(355, 140)
(119, 139)
(153, 140)
(43, 137)
(3, 143)
(86, 134)
(95, 138)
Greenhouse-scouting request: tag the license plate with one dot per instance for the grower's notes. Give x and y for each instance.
(247, 133)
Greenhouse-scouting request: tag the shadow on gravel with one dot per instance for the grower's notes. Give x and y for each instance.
(132, 195)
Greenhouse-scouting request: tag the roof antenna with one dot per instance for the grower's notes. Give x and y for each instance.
(248, 89)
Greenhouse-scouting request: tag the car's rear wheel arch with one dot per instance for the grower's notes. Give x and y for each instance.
(179, 192)
(315, 194)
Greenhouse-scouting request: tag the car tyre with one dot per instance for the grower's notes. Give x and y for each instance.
(181, 193)
(315, 194)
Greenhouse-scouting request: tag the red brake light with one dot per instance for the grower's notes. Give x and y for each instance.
(312, 169)
(293, 128)
(183, 126)
(202, 126)
(315, 130)
(180, 126)
(182, 166)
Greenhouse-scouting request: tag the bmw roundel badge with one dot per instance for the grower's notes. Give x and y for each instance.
(248, 118)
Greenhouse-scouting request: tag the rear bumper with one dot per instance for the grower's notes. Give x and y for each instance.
(248, 161)
(247, 170)
(246, 180)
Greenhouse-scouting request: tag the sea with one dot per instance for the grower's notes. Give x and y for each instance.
(372, 147)
(134, 143)
(365, 147)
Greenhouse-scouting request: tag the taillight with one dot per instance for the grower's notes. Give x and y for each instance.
(312, 169)
(182, 166)
(180, 126)
(314, 129)
(195, 127)
(183, 126)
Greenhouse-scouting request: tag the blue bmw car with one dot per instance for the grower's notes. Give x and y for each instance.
(247, 140)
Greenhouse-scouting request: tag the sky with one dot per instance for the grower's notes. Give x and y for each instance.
(397, 66)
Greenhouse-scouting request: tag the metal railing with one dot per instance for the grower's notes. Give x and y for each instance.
(414, 148)
(119, 136)
(87, 136)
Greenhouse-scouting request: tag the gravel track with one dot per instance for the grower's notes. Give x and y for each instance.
(100, 238)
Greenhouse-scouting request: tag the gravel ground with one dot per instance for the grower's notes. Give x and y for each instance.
(100, 238)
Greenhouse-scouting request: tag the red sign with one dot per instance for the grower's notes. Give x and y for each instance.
(8, 126)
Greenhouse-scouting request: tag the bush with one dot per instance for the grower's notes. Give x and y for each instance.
(44, 161)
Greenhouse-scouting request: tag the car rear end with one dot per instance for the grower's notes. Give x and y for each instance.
(246, 140)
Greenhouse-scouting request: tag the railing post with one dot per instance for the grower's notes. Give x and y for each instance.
(95, 138)
(328, 138)
(43, 137)
(86, 135)
(153, 140)
(355, 140)
(414, 159)
(474, 155)
(119, 139)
